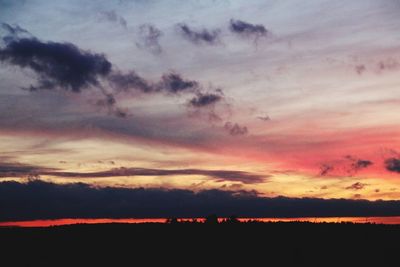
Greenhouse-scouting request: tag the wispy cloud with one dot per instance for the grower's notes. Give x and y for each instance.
(112, 16)
(248, 30)
(264, 118)
(22, 170)
(235, 129)
(12, 169)
(13, 31)
(169, 83)
(348, 165)
(202, 36)
(205, 99)
(357, 186)
(130, 81)
(149, 38)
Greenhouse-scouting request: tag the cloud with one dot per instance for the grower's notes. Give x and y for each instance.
(129, 81)
(360, 69)
(10, 169)
(388, 64)
(67, 67)
(264, 118)
(149, 37)
(203, 36)
(170, 83)
(112, 16)
(360, 164)
(63, 65)
(248, 30)
(14, 30)
(174, 83)
(219, 175)
(356, 186)
(392, 164)
(235, 129)
(348, 166)
(109, 102)
(58, 65)
(379, 66)
(211, 106)
(325, 169)
(206, 99)
(22, 170)
(44, 200)
(356, 164)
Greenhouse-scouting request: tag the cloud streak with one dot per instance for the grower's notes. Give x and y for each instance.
(21, 170)
(9, 169)
(170, 83)
(218, 175)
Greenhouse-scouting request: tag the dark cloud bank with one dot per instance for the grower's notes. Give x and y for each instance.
(43, 200)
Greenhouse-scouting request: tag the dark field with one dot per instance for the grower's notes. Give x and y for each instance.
(267, 244)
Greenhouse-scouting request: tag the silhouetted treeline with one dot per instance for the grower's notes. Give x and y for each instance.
(208, 243)
(211, 219)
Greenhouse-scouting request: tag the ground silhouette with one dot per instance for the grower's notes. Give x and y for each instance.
(202, 242)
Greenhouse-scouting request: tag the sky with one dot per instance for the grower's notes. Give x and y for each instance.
(298, 99)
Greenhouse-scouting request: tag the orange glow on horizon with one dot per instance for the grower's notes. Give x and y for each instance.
(71, 221)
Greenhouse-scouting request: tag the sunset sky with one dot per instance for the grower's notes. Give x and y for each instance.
(274, 97)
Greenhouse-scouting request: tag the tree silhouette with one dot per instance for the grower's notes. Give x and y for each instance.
(172, 221)
(211, 219)
(233, 219)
